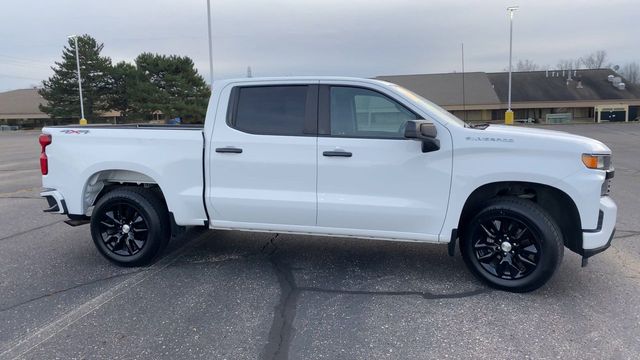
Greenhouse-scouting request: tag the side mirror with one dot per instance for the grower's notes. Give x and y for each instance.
(424, 131)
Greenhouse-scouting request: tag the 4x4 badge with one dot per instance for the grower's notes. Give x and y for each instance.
(70, 132)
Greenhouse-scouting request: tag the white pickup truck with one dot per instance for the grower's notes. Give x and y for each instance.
(338, 157)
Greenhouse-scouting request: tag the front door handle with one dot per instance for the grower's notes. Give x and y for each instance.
(228, 149)
(341, 153)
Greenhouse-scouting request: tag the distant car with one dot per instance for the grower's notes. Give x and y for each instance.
(338, 157)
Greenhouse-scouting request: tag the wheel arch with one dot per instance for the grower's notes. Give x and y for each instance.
(556, 202)
(103, 181)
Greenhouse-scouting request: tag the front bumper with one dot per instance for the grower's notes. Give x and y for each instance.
(598, 240)
(593, 239)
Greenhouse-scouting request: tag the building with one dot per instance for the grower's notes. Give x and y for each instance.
(541, 96)
(21, 108)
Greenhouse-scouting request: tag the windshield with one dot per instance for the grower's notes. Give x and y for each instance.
(431, 107)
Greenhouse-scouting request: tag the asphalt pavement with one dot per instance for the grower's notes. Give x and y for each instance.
(231, 295)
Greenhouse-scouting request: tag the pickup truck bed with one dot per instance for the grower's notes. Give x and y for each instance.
(170, 156)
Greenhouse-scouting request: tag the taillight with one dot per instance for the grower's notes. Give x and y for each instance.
(45, 140)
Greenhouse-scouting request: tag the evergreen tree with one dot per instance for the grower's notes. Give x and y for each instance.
(124, 80)
(169, 84)
(61, 90)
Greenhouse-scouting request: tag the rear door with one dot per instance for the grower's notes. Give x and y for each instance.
(371, 180)
(263, 158)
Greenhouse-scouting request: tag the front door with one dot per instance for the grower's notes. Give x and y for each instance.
(372, 180)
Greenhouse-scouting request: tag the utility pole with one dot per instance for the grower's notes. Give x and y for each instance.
(464, 102)
(83, 121)
(210, 43)
(508, 116)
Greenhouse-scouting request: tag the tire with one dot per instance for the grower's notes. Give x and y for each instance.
(130, 226)
(520, 256)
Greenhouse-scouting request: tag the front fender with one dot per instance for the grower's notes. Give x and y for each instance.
(475, 167)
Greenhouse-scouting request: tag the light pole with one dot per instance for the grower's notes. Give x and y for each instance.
(508, 116)
(210, 43)
(83, 121)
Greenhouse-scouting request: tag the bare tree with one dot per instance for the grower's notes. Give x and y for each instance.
(631, 72)
(568, 64)
(595, 60)
(526, 65)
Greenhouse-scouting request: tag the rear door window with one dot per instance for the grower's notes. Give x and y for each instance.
(275, 110)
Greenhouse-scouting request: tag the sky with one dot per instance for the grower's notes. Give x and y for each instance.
(364, 38)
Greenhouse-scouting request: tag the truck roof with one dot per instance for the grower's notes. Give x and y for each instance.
(281, 79)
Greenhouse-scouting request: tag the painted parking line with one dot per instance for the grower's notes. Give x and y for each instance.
(22, 346)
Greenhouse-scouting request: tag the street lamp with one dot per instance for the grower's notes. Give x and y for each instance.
(210, 45)
(508, 116)
(83, 121)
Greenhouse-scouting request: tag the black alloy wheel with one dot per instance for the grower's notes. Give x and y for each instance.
(512, 244)
(130, 225)
(506, 248)
(123, 229)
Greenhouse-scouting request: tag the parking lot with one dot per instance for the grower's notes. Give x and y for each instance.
(226, 295)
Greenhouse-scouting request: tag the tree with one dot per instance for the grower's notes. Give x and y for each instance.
(631, 72)
(124, 80)
(526, 65)
(569, 64)
(61, 90)
(595, 60)
(169, 84)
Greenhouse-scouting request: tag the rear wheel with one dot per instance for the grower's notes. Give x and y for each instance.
(130, 226)
(512, 244)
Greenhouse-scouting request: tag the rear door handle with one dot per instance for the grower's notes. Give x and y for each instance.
(337, 153)
(228, 149)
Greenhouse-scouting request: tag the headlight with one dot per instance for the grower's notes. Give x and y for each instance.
(600, 162)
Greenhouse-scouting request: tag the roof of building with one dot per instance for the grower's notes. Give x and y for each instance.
(23, 102)
(527, 87)
(554, 85)
(446, 89)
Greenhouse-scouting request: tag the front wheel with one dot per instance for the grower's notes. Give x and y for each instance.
(512, 244)
(130, 226)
